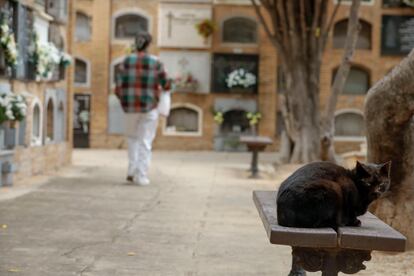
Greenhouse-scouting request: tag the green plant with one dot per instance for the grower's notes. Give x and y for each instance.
(254, 117)
(218, 117)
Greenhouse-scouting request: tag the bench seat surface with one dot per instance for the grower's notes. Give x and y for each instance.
(257, 140)
(374, 234)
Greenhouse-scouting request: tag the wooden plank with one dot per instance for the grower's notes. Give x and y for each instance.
(265, 202)
(373, 234)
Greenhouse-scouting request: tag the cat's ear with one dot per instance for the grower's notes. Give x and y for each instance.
(361, 170)
(386, 168)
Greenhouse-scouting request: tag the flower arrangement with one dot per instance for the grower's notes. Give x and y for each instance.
(409, 2)
(8, 44)
(218, 117)
(241, 78)
(46, 57)
(12, 108)
(186, 82)
(65, 59)
(206, 28)
(254, 117)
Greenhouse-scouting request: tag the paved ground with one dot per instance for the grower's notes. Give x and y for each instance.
(197, 218)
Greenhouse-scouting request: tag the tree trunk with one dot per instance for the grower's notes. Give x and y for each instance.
(389, 110)
(328, 122)
(302, 115)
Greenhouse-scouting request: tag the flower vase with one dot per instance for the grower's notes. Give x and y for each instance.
(254, 130)
(13, 124)
(2, 136)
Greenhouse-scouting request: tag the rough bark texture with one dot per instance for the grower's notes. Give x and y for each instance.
(389, 110)
(299, 29)
(328, 121)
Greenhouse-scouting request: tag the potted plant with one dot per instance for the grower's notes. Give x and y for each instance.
(13, 109)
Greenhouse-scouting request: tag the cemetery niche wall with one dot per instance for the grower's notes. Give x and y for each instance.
(235, 73)
(397, 36)
(177, 25)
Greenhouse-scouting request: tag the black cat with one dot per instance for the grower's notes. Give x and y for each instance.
(323, 194)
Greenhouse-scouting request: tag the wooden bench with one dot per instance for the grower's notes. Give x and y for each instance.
(255, 144)
(324, 249)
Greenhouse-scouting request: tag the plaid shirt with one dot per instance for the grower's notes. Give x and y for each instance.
(140, 81)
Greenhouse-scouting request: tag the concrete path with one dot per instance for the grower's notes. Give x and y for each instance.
(197, 218)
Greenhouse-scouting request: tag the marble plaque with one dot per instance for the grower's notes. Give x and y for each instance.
(41, 27)
(179, 63)
(397, 34)
(116, 116)
(177, 25)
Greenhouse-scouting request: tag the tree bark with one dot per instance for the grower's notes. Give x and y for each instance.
(328, 122)
(389, 110)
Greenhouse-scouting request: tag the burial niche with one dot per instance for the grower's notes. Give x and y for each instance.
(50, 120)
(364, 38)
(81, 72)
(235, 122)
(349, 124)
(241, 30)
(358, 81)
(128, 25)
(36, 125)
(60, 132)
(83, 29)
(183, 120)
(234, 73)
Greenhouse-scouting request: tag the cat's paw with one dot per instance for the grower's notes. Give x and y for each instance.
(356, 223)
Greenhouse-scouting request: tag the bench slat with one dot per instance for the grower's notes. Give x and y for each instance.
(304, 237)
(373, 234)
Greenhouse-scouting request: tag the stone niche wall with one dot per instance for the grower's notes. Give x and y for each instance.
(38, 156)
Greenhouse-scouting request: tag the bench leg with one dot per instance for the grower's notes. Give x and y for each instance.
(330, 265)
(254, 165)
(296, 270)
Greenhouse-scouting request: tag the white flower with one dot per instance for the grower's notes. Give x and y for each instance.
(9, 114)
(240, 77)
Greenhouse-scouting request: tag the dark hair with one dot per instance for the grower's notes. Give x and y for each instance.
(142, 41)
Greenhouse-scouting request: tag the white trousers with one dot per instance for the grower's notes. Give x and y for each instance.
(140, 129)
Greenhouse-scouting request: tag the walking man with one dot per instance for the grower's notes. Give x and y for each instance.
(140, 82)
